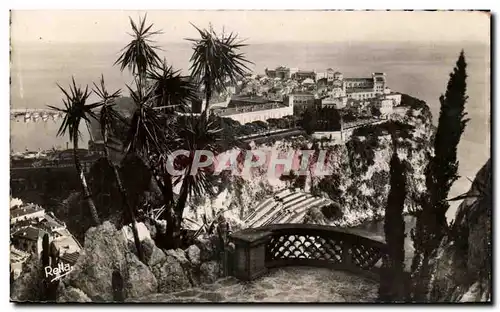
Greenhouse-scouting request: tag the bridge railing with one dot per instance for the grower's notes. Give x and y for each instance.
(282, 245)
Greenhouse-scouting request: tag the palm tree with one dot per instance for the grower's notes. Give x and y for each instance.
(74, 112)
(140, 54)
(107, 119)
(215, 61)
(195, 133)
(146, 137)
(172, 90)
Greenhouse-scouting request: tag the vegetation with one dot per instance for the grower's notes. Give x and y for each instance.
(216, 61)
(321, 119)
(392, 282)
(148, 130)
(108, 117)
(441, 173)
(49, 287)
(76, 109)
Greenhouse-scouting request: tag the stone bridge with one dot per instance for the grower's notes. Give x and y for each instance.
(280, 245)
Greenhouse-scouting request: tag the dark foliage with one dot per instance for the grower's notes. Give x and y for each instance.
(77, 110)
(392, 281)
(320, 119)
(215, 61)
(441, 173)
(173, 91)
(332, 212)
(139, 54)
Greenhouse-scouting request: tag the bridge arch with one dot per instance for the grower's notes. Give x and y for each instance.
(279, 245)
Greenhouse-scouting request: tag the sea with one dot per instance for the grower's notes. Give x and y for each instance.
(418, 69)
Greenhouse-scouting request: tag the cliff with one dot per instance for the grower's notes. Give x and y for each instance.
(359, 179)
(462, 269)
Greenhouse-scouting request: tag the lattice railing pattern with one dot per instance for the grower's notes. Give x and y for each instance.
(365, 256)
(332, 250)
(305, 247)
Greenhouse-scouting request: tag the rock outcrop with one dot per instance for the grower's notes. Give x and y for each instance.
(71, 295)
(209, 272)
(106, 251)
(462, 269)
(171, 275)
(139, 280)
(109, 256)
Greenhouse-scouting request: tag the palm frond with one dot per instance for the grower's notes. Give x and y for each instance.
(171, 89)
(75, 110)
(139, 54)
(108, 116)
(197, 133)
(215, 60)
(148, 130)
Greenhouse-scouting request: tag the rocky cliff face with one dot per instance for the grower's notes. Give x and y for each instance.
(462, 269)
(359, 179)
(108, 269)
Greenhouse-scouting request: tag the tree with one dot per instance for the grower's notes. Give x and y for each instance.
(139, 55)
(173, 91)
(108, 117)
(195, 133)
(441, 173)
(392, 282)
(147, 135)
(309, 120)
(216, 61)
(74, 112)
(288, 178)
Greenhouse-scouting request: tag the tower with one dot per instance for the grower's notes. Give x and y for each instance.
(379, 82)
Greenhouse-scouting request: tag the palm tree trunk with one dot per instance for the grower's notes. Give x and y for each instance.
(177, 216)
(125, 202)
(165, 241)
(83, 181)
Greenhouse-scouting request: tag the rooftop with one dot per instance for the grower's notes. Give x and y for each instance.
(66, 244)
(24, 210)
(17, 255)
(302, 93)
(30, 233)
(358, 79)
(244, 100)
(359, 90)
(306, 72)
(248, 108)
(70, 258)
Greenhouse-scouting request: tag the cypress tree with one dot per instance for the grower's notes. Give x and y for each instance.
(441, 173)
(391, 283)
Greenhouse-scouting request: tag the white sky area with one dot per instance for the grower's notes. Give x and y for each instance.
(258, 26)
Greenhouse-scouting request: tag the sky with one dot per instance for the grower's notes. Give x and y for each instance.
(258, 26)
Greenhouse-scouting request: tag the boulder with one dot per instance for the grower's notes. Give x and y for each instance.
(139, 281)
(104, 251)
(208, 247)
(193, 255)
(71, 294)
(154, 255)
(142, 231)
(179, 255)
(151, 228)
(209, 272)
(170, 274)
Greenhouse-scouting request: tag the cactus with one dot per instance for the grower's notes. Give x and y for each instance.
(49, 288)
(45, 251)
